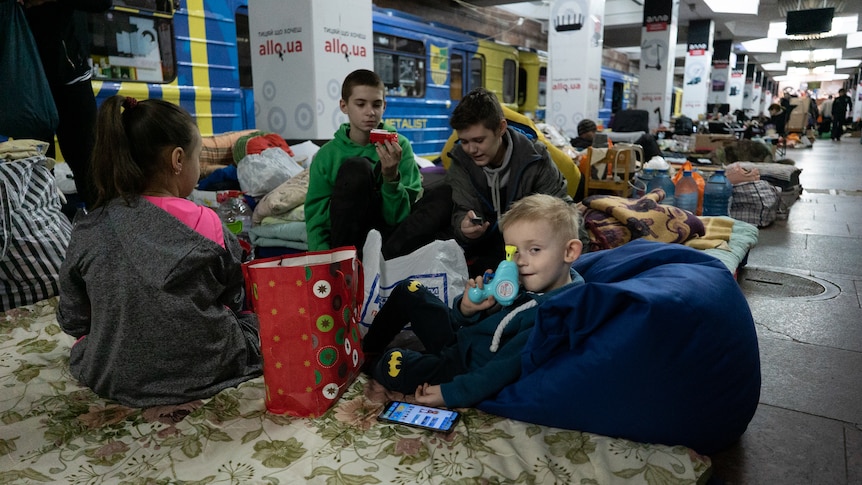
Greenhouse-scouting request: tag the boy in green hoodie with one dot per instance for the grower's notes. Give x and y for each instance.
(356, 185)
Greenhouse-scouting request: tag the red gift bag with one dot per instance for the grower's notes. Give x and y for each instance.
(309, 309)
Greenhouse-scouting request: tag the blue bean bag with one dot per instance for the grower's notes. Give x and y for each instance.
(658, 346)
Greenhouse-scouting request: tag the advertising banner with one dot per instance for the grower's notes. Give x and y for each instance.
(722, 59)
(736, 93)
(575, 50)
(658, 45)
(300, 53)
(698, 64)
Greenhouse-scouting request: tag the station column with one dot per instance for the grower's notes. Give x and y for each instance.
(698, 65)
(737, 83)
(575, 40)
(722, 60)
(748, 92)
(658, 46)
(300, 60)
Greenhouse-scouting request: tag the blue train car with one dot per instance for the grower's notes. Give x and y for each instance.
(189, 55)
(618, 91)
(426, 70)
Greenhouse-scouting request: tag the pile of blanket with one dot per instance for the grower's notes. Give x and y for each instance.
(612, 221)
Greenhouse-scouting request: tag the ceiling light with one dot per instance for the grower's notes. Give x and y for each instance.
(811, 77)
(815, 55)
(760, 45)
(845, 25)
(745, 7)
(774, 66)
(854, 40)
(847, 63)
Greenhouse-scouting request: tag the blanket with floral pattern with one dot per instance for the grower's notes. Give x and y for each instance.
(54, 431)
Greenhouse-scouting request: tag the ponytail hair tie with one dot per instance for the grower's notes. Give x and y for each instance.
(130, 103)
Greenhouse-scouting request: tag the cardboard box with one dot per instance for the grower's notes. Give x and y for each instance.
(708, 143)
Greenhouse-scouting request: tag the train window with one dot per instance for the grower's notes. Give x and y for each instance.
(243, 47)
(543, 85)
(400, 63)
(522, 86)
(456, 77)
(510, 68)
(130, 46)
(477, 72)
(602, 91)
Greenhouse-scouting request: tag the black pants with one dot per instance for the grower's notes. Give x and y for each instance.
(837, 127)
(356, 207)
(76, 107)
(403, 370)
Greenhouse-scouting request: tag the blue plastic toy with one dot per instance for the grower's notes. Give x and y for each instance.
(501, 284)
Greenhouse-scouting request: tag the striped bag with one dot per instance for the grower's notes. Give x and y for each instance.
(34, 234)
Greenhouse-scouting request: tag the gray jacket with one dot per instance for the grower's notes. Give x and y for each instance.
(156, 306)
(530, 171)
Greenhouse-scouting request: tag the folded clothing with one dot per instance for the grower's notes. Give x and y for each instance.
(289, 235)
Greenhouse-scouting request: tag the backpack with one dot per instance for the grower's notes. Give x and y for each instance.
(683, 126)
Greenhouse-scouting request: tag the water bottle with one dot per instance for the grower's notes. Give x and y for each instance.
(686, 193)
(661, 180)
(235, 213)
(641, 182)
(717, 195)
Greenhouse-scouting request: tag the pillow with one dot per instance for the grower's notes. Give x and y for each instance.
(658, 346)
(217, 150)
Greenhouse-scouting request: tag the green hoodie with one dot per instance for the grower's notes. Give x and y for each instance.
(398, 196)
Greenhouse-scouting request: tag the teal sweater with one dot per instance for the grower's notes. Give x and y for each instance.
(398, 196)
(488, 371)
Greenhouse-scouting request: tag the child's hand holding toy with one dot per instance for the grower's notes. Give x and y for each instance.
(502, 284)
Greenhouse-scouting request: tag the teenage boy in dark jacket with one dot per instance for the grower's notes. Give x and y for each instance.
(493, 165)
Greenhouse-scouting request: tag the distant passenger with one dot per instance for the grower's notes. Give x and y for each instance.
(777, 118)
(355, 185)
(841, 106)
(493, 165)
(586, 134)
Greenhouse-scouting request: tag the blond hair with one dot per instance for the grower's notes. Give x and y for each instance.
(562, 216)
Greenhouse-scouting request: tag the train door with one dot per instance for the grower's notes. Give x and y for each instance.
(499, 64)
(617, 96)
(532, 83)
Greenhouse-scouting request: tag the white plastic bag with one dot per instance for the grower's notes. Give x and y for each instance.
(440, 266)
(259, 174)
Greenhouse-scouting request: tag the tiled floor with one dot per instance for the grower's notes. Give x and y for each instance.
(808, 427)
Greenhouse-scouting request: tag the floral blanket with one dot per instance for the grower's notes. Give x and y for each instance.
(54, 431)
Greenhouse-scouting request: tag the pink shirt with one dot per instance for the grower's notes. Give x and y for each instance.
(202, 219)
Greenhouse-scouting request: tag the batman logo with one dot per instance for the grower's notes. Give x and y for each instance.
(395, 363)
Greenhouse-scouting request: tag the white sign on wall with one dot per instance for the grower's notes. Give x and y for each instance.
(575, 40)
(301, 51)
